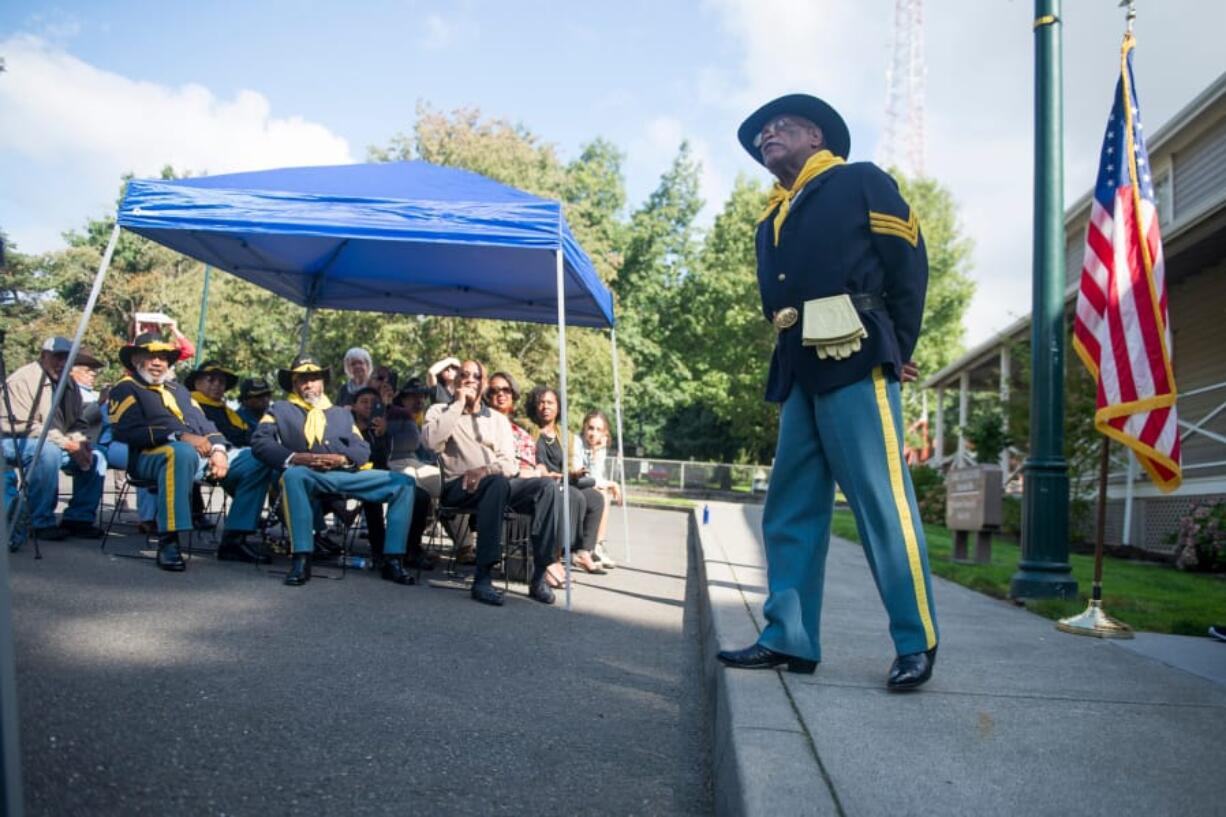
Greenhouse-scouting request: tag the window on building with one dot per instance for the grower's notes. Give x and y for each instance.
(1163, 199)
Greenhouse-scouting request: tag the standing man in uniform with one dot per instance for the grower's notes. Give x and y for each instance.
(842, 271)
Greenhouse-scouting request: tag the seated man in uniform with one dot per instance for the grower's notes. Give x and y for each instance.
(476, 449)
(208, 384)
(67, 447)
(172, 443)
(323, 452)
(254, 395)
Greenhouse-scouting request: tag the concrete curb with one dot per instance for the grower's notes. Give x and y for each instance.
(763, 761)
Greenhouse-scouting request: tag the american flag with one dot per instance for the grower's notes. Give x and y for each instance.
(1121, 331)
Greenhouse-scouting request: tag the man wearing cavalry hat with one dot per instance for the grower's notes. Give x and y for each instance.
(208, 384)
(319, 451)
(172, 443)
(842, 271)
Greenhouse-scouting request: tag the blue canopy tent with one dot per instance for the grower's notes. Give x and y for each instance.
(407, 237)
(402, 237)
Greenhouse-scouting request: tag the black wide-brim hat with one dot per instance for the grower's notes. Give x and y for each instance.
(150, 342)
(302, 365)
(211, 367)
(817, 111)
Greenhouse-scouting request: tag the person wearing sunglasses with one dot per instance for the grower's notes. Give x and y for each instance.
(842, 274)
(476, 450)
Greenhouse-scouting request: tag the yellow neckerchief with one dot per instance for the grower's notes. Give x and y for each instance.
(315, 420)
(781, 196)
(166, 394)
(231, 415)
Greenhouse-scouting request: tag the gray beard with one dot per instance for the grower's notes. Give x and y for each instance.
(313, 401)
(150, 379)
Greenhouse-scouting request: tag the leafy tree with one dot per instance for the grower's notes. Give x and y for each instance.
(661, 251)
(950, 287)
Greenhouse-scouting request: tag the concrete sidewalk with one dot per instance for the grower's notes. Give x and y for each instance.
(1018, 719)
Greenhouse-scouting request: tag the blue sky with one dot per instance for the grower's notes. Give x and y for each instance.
(93, 89)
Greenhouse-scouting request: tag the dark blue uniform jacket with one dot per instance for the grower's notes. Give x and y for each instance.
(237, 436)
(141, 420)
(848, 231)
(281, 433)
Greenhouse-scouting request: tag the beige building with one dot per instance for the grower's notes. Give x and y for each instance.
(1188, 161)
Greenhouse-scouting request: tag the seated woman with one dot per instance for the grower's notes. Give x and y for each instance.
(542, 408)
(590, 453)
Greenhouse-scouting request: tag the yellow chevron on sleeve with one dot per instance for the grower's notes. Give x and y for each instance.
(267, 418)
(116, 410)
(886, 224)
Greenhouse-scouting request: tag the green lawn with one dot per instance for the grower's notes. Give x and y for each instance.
(1146, 596)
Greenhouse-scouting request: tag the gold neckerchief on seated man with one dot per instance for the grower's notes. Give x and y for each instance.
(316, 423)
(781, 196)
(231, 415)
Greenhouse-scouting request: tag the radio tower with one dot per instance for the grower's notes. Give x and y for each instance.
(902, 144)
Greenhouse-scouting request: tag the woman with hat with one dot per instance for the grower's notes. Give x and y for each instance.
(171, 442)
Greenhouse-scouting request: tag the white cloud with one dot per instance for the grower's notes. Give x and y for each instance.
(79, 128)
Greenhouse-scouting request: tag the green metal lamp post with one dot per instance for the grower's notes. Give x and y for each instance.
(1044, 570)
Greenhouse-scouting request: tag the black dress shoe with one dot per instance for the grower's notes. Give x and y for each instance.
(81, 529)
(485, 593)
(299, 570)
(759, 657)
(235, 548)
(393, 571)
(911, 671)
(541, 592)
(51, 534)
(169, 557)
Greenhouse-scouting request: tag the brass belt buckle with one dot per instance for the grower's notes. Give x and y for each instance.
(786, 318)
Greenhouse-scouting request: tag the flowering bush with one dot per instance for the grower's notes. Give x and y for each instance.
(1200, 542)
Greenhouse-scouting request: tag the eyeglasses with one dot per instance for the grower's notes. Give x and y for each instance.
(777, 125)
(496, 390)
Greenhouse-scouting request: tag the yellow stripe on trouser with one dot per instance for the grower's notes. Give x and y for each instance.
(169, 498)
(894, 465)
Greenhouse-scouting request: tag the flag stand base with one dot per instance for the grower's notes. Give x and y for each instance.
(1094, 622)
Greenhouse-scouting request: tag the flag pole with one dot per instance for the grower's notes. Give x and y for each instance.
(1094, 621)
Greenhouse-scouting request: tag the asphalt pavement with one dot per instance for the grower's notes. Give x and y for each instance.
(221, 692)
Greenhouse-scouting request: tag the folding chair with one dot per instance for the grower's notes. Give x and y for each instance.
(273, 518)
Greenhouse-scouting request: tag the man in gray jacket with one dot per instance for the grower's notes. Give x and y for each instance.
(476, 452)
(30, 390)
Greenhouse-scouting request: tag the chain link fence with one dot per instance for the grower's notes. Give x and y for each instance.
(678, 476)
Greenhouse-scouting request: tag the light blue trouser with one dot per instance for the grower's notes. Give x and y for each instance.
(176, 466)
(852, 436)
(44, 478)
(301, 488)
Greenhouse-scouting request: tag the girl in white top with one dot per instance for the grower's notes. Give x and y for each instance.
(590, 453)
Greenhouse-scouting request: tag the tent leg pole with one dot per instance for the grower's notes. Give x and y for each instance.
(10, 754)
(621, 452)
(306, 330)
(204, 311)
(66, 375)
(564, 434)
